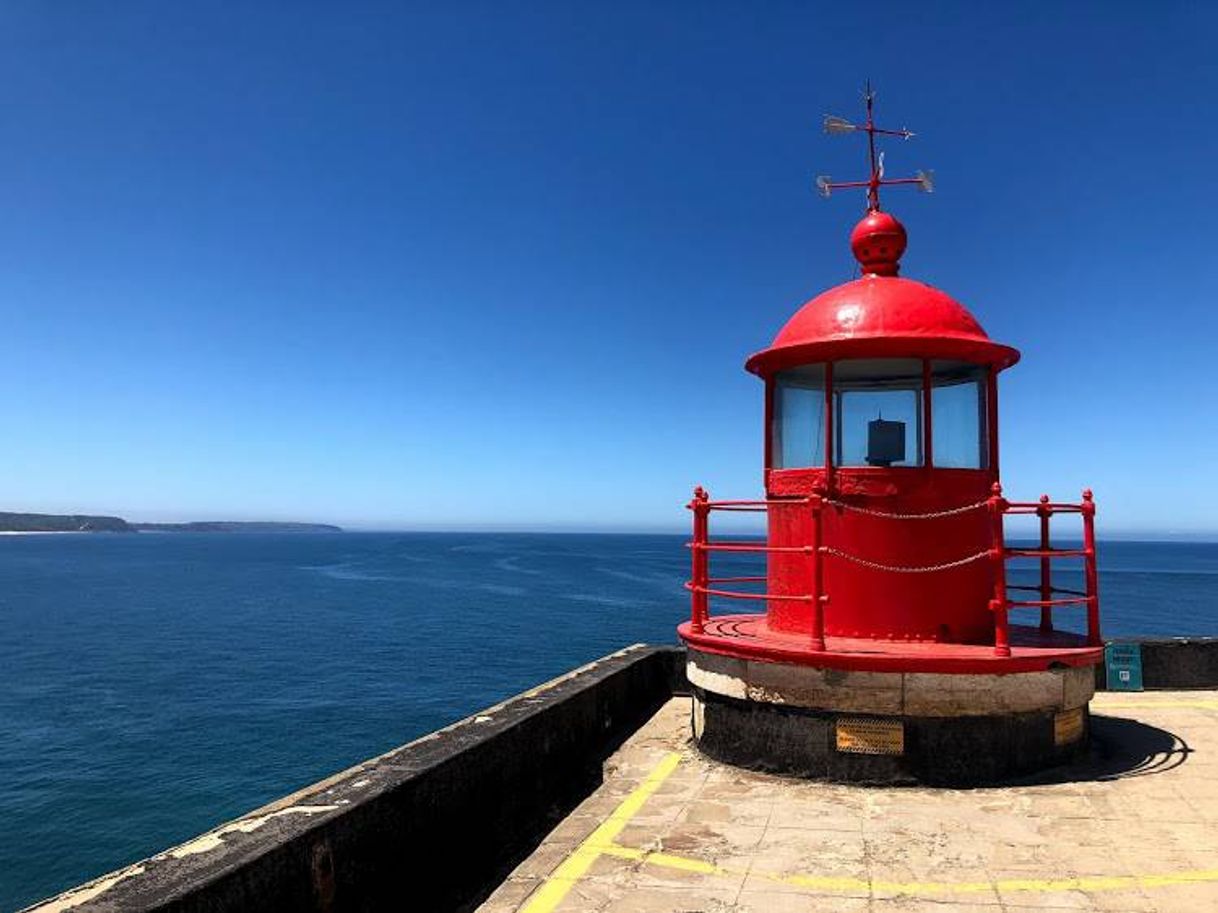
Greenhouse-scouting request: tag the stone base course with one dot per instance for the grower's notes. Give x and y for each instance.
(890, 693)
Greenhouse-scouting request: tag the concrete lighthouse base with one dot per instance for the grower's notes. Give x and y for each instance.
(887, 727)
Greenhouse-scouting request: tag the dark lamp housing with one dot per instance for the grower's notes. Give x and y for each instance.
(885, 442)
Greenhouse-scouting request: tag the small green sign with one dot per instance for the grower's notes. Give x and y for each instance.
(1124, 666)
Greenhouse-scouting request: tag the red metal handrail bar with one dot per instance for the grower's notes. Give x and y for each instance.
(1053, 589)
(736, 594)
(1046, 553)
(1035, 507)
(1046, 603)
(745, 547)
(998, 507)
(757, 504)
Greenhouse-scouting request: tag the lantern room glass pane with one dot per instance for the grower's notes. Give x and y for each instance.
(958, 410)
(879, 412)
(799, 418)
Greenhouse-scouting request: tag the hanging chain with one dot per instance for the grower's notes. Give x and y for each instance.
(933, 515)
(896, 569)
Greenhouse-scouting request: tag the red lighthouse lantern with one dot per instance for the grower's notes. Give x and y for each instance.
(886, 649)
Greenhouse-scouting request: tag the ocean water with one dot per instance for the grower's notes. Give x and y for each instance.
(152, 686)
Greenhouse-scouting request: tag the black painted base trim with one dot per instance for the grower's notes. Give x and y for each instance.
(957, 751)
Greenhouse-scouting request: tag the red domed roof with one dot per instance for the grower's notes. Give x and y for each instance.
(881, 316)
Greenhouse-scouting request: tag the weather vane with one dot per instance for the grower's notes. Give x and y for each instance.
(826, 185)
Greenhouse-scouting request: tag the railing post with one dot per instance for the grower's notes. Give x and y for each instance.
(818, 580)
(699, 603)
(1094, 638)
(998, 605)
(1044, 511)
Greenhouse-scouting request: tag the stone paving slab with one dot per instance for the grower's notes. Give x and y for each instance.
(1134, 828)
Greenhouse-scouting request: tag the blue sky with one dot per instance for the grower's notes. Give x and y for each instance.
(499, 265)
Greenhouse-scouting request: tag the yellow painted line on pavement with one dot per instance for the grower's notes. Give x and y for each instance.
(864, 885)
(602, 842)
(574, 867)
(1147, 705)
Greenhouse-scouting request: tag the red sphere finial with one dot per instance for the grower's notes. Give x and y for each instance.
(878, 242)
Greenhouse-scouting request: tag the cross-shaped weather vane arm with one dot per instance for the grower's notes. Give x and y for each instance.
(882, 182)
(837, 125)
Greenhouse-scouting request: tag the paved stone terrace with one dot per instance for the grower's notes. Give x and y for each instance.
(1133, 829)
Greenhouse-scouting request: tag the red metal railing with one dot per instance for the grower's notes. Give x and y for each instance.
(1048, 594)
(703, 586)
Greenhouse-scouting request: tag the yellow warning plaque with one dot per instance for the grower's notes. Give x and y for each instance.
(1068, 726)
(861, 735)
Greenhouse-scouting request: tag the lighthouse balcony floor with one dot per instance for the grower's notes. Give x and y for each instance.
(1032, 650)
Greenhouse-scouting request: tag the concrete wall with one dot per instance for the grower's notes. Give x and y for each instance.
(1173, 663)
(432, 826)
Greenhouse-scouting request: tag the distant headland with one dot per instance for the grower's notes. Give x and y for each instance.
(85, 523)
